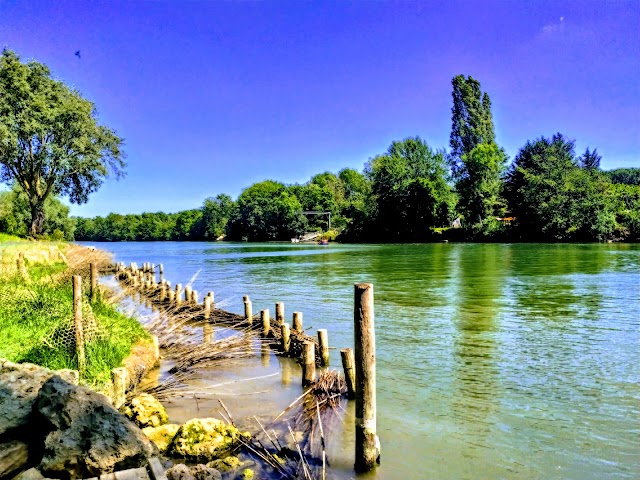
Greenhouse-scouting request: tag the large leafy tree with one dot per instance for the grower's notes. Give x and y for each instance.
(554, 198)
(50, 141)
(267, 211)
(410, 190)
(215, 215)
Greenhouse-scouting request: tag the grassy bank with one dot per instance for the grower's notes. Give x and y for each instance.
(36, 311)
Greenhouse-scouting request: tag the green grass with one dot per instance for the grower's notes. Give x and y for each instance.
(36, 324)
(5, 237)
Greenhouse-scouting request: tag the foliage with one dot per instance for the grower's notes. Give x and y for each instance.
(479, 186)
(471, 121)
(410, 190)
(267, 211)
(554, 198)
(216, 213)
(590, 160)
(50, 141)
(15, 218)
(627, 176)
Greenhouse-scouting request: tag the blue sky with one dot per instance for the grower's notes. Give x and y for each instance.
(211, 97)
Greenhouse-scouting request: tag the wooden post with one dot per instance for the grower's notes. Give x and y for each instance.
(119, 381)
(213, 301)
(178, 293)
(280, 313)
(172, 296)
(308, 363)
(77, 321)
(297, 321)
(248, 313)
(207, 307)
(286, 338)
(348, 365)
(20, 263)
(161, 272)
(266, 322)
(93, 293)
(187, 294)
(163, 292)
(323, 341)
(194, 297)
(365, 358)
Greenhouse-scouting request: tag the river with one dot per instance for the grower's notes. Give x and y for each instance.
(494, 360)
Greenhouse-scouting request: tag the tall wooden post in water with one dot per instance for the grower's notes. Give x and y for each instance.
(365, 355)
(77, 321)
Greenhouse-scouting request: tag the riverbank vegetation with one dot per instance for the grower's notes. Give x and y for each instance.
(36, 312)
(52, 146)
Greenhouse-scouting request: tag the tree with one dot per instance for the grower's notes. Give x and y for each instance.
(215, 215)
(471, 121)
(14, 216)
(410, 190)
(590, 160)
(626, 176)
(479, 185)
(267, 211)
(50, 141)
(554, 199)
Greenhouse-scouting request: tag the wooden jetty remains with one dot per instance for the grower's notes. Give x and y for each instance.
(291, 341)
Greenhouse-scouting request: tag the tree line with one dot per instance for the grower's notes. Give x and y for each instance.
(52, 146)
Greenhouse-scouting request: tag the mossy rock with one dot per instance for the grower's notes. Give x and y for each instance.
(247, 474)
(162, 435)
(225, 464)
(145, 411)
(207, 438)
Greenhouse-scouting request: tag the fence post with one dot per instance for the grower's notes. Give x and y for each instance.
(286, 338)
(280, 313)
(367, 444)
(207, 307)
(323, 341)
(119, 381)
(308, 363)
(348, 365)
(297, 322)
(77, 322)
(248, 313)
(266, 322)
(93, 293)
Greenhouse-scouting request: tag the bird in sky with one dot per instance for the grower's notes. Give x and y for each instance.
(78, 53)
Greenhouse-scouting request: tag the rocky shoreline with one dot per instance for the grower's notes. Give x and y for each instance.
(50, 427)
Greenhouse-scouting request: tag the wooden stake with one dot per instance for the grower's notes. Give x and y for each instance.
(119, 381)
(178, 293)
(248, 312)
(266, 322)
(323, 341)
(308, 363)
(286, 339)
(207, 307)
(365, 358)
(163, 292)
(213, 300)
(280, 313)
(187, 294)
(172, 296)
(297, 322)
(77, 321)
(194, 297)
(348, 365)
(93, 292)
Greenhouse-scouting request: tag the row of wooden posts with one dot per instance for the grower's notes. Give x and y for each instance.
(359, 369)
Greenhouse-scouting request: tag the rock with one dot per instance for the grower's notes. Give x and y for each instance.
(225, 464)
(208, 438)
(145, 411)
(162, 435)
(204, 472)
(247, 474)
(31, 474)
(87, 437)
(19, 387)
(14, 456)
(179, 472)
